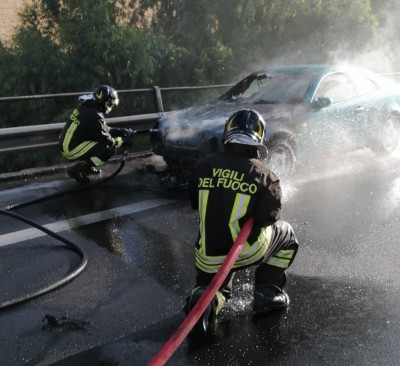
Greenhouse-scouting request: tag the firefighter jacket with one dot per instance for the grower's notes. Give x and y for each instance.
(86, 128)
(227, 188)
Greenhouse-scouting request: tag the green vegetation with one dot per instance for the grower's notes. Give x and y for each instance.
(65, 46)
(74, 45)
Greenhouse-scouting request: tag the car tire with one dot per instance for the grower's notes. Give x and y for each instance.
(388, 138)
(281, 158)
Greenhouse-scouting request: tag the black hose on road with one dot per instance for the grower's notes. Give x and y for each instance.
(57, 284)
(6, 211)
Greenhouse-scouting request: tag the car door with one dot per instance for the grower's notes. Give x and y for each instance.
(337, 125)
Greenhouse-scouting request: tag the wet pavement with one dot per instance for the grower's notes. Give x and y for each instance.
(138, 238)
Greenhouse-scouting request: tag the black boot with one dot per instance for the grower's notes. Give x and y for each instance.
(79, 173)
(268, 298)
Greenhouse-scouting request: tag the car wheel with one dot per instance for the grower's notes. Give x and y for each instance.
(388, 138)
(281, 158)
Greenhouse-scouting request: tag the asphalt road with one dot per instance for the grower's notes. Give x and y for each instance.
(138, 238)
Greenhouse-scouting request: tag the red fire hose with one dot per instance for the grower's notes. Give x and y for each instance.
(194, 315)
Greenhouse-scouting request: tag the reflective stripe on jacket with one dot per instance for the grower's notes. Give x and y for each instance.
(227, 189)
(85, 128)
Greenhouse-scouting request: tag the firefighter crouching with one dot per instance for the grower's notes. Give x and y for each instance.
(88, 139)
(227, 188)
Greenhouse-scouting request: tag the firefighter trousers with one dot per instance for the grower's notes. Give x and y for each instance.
(271, 268)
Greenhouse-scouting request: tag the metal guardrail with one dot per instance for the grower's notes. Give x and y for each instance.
(45, 136)
(35, 137)
(14, 139)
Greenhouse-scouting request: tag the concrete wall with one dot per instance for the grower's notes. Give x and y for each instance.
(9, 17)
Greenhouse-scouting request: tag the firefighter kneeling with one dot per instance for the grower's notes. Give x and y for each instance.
(227, 188)
(87, 138)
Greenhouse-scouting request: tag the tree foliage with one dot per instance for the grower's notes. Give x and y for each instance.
(66, 46)
(75, 45)
(244, 34)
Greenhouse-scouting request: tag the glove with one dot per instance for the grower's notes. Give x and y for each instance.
(128, 133)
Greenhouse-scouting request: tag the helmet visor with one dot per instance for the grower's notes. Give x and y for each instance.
(243, 139)
(110, 104)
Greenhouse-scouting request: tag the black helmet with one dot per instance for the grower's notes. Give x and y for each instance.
(106, 98)
(247, 127)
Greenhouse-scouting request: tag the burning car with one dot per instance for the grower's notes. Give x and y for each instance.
(309, 110)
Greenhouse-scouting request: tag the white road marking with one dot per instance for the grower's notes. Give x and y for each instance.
(59, 226)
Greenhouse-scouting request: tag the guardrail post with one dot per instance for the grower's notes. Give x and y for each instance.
(158, 99)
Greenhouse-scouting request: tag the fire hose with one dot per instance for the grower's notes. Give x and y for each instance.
(57, 284)
(7, 211)
(194, 315)
(74, 247)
